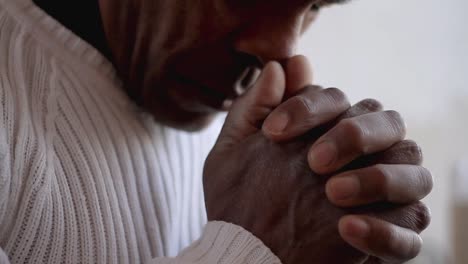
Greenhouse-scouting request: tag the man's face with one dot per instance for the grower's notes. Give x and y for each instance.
(184, 61)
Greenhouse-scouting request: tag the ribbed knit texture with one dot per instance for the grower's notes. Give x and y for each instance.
(85, 176)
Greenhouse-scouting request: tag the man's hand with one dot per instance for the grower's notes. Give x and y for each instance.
(268, 189)
(375, 165)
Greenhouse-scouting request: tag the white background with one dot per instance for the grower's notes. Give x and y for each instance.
(412, 55)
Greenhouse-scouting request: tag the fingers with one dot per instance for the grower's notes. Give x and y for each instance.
(386, 230)
(400, 184)
(404, 152)
(312, 107)
(415, 216)
(365, 106)
(392, 230)
(298, 74)
(355, 137)
(379, 238)
(250, 110)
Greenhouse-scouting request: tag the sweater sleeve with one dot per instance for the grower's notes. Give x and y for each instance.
(3, 257)
(224, 243)
(4, 185)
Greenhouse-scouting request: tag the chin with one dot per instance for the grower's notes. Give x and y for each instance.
(169, 111)
(195, 124)
(190, 122)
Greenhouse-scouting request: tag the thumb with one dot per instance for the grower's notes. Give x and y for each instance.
(250, 110)
(299, 74)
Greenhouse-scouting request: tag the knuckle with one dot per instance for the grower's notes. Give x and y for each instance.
(425, 180)
(413, 249)
(394, 114)
(353, 130)
(411, 145)
(393, 243)
(402, 245)
(419, 217)
(381, 178)
(336, 95)
(415, 216)
(403, 152)
(424, 215)
(370, 105)
(303, 103)
(410, 148)
(310, 89)
(417, 151)
(396, 121)
(364, 107)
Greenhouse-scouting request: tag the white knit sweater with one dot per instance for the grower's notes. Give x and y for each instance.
(85, 176)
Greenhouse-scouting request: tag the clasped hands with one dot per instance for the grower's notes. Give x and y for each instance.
(316, 179)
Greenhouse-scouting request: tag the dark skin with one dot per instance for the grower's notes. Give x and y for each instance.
(265, 184)
(157, 49)
(310, 239)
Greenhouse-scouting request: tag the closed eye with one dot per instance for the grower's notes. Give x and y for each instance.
(317, 5)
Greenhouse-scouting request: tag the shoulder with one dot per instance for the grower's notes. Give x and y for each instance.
(24, 61)
(29, 70)
(28, 83)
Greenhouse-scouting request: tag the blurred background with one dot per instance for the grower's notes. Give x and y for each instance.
(413, 57)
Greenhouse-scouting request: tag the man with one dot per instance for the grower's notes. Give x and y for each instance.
(87, 177)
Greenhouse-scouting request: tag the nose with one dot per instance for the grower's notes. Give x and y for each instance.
(271, 38)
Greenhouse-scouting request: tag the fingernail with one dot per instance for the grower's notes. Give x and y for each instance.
(277, 123)
(322, 155)
(343, 188)
(357, 227)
